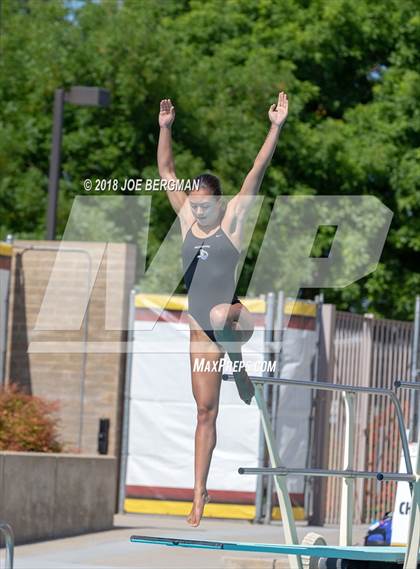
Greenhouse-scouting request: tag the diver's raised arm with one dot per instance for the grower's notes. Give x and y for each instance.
(166, 164)
(277, 114)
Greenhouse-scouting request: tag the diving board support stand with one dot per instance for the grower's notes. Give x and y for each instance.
(409, 555)
(347, 474)
(413, 537)
(289, 526)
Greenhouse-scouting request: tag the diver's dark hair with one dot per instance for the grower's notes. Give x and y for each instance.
(210, 182)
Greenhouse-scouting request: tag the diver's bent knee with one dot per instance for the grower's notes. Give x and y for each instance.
(219, 316)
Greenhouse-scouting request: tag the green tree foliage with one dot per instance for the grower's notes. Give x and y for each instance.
(350, 67)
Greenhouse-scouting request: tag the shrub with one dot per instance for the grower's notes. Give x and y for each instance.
(27, 423)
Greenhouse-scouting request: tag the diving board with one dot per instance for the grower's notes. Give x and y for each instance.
(350, 552)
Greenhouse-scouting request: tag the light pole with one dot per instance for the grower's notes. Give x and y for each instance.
(85, 96)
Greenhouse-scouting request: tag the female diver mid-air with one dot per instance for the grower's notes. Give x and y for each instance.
(212, 234)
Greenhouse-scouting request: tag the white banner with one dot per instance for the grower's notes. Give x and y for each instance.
(163, 415)
(163, 419)
(402, 508)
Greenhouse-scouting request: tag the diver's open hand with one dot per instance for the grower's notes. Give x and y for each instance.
(167, 113)
(278, 113)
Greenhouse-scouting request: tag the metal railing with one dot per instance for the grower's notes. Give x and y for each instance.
(283, 471)
(325, 386)
(7, 531)
(348, 473)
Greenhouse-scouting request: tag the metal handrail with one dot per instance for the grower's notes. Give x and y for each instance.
(406, 384)
(282, 471)
(10, 543)
(326, 386)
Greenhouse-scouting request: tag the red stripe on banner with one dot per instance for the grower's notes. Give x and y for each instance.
(165, 493)
(5, 262)
(298, 500)
(302, 322)
(177, 316)
(187, 494)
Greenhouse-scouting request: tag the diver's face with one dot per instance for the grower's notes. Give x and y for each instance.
(205, 207)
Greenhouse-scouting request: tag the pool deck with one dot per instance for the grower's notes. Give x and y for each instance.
(112, 549)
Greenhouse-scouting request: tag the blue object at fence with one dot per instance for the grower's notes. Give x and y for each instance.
(379, 533)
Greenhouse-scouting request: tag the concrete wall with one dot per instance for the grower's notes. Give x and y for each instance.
(46, 496)
(57, 373)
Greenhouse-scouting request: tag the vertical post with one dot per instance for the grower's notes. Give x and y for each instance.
(319, 302)
(308, 483)
(277, 351)
(4, 317)
(289, 526)
(55, 163)
(347, 484)
(362, 427)
(322, 412)
(127, 396)
(9, 539)
(269, 320)
(415, 370)
(84, 354)
(413, 537)
(273, 391)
